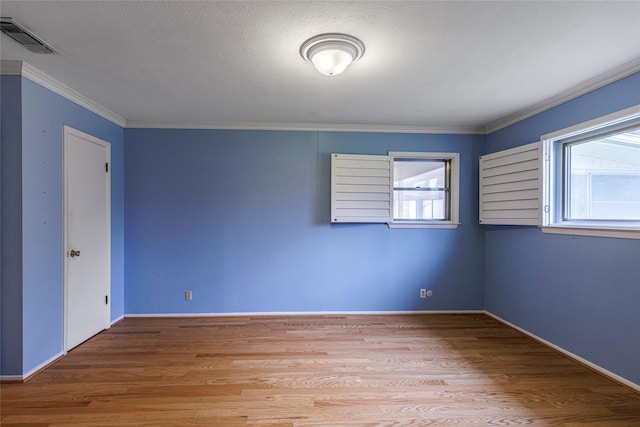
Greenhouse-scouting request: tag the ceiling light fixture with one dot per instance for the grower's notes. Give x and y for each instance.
(332, 53)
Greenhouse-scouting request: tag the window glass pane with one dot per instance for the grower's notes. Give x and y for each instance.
(603, 178)
(579, 191)
(419, 174)
(420, 204)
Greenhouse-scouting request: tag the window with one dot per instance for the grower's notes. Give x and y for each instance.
(593, 177)
(421, 189)
(404, 190)
(424, 190)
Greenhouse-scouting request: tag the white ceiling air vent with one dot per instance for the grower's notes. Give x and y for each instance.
(20, 34)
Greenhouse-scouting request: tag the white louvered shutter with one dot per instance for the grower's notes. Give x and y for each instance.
(511, 186)
(360, 188)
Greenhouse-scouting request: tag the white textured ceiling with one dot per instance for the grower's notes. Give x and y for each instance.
(453, 65)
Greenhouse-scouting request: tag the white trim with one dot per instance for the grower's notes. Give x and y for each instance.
(425, 224)
(11, 378)
(618, 73)
(597, 368)
(117, 319)
(30, 72)
(567, 353)
(305, 313)
(590, 85)
(66, 132)
(552, 224)
(599, 122)
(33, 371)
(309, 127)
(10, 68)
(619, 233)
(41, 366)
(22, 68)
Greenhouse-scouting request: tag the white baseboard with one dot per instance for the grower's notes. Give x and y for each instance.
(305, 313)
(11, 378)
(28, 374)
(116, 320)
(571, 355)
(43, 365)
(597, 368)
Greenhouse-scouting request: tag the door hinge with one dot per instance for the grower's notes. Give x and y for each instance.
(106, 167)
(106, 299)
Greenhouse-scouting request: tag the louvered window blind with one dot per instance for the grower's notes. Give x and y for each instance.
(360, 188)
(511, 186)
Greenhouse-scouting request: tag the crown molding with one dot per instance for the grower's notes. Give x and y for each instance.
(8, 67)
(26, 70)
(308, 127)
(30, 72)
(618, 73)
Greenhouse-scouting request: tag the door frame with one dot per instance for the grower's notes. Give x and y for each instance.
(67, 132)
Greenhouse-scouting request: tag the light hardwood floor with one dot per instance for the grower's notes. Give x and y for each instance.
(355, 371)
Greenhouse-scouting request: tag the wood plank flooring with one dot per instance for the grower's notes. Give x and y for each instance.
(353, 371)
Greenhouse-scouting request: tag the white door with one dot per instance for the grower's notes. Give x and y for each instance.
(87, 236)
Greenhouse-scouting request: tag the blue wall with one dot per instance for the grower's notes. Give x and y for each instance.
(580, 293)
(11, 225)
(241, 218)
(44, 114)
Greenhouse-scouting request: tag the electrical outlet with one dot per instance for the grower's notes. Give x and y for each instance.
(423, 293)
(429, 293)
(188, 296)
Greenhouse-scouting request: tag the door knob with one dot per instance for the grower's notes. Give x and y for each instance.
(74, 253)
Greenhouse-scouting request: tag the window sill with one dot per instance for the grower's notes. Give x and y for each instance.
(586, 230)
(423, 224)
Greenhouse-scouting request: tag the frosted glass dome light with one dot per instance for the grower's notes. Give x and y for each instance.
(331, 54)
